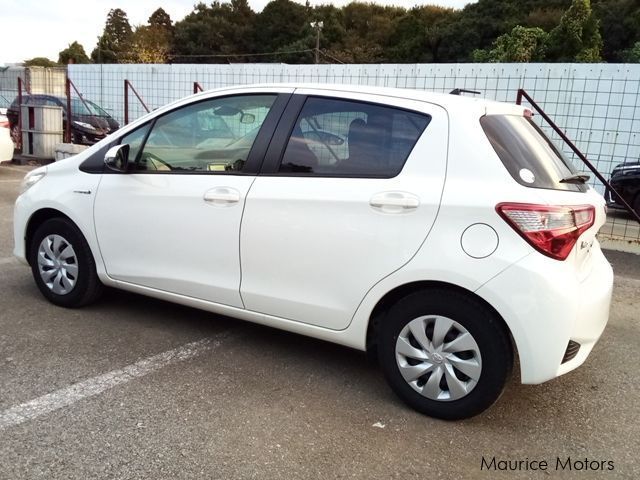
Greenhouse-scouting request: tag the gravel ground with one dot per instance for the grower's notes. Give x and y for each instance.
(252, 402)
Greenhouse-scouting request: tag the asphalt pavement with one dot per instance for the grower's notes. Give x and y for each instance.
(136, 388)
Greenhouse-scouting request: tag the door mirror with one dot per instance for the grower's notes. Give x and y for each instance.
(117, 158)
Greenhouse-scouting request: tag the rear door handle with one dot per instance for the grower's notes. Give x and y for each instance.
(222, 196)
(394, 202)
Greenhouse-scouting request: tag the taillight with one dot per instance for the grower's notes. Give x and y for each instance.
(552, 230)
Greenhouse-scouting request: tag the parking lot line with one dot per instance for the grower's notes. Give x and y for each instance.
(94, 386)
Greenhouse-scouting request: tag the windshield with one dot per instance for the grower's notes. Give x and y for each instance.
(86, 108)
(527, 153)
(98, 109)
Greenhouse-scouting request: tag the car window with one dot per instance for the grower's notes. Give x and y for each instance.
(527, 153)
(211, 136)
(346, 138)
(135, 139)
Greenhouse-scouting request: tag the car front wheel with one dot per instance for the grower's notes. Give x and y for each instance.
(445, 353)
(62, 264)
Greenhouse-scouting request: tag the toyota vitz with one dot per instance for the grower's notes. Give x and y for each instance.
(444, 234)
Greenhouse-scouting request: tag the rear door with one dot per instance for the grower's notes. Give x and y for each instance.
(349, 190)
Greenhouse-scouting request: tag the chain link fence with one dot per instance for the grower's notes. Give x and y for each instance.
(597, 105)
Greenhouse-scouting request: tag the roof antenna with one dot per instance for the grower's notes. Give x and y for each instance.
(458, 91)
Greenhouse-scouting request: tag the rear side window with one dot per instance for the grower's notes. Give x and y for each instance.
(344, 138)
(527, 153)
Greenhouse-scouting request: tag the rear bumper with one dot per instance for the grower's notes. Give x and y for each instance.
(547, 307)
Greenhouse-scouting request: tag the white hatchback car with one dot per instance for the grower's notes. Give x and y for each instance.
(443, 233)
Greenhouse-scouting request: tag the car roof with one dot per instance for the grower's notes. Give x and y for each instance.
(449, 101)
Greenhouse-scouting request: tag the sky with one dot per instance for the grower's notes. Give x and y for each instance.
(41, 28)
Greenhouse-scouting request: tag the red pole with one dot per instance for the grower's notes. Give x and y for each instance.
(522, 93)
(19, 129)
(126, 102)
(67, 128)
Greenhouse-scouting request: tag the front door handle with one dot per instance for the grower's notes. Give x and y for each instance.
(222, 196)
(394, 202)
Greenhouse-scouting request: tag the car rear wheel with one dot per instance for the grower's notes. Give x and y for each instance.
(62, 264)
(444, 353)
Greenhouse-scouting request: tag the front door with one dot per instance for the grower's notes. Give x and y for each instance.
(172, 221)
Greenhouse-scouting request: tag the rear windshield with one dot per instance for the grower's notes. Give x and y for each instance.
(527, 153)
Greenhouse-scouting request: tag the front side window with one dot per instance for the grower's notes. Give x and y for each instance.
(345, 138)
(211, 136)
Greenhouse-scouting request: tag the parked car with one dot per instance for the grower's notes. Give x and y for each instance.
(443, 234)
(625, 179)
(89, 122)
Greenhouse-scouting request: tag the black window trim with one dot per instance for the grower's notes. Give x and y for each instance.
(279, 142)
(95, 163)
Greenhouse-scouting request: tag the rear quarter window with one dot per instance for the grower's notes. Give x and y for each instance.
(528, 154)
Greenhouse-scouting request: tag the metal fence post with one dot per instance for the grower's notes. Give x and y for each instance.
(126, 102)
(67, 128)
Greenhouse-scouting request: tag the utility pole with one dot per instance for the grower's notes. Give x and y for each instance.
(318, 26)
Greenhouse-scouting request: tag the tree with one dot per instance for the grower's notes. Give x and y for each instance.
(161, 20)
(632, 55)
(521, 45)
(418, 34)
(152, 43)
(283, 25)
(219, 29)
(40, 62)
(114, 43)
(368, 32)
(74, 53)
(577, 37)
(620, 27)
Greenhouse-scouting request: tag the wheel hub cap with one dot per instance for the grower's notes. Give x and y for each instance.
(438, 358)
(57, 264)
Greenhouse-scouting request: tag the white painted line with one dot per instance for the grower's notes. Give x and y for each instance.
(94, 386)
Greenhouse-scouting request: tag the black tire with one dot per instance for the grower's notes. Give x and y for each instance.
(87, 287)
(484, 325)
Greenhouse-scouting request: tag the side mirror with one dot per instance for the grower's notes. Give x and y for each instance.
(117, 158)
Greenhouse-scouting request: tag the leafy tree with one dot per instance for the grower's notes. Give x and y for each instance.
(161, 20)
(545, 18)
(523, 44)
(632, 55)
(149, 45)
(74, 53)
(152, 43)
(419, 33)
(577, 37)
(283, 25)
(218, 29)
(368, 32)
(620, 26)
(114, 43)
(39, 62)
